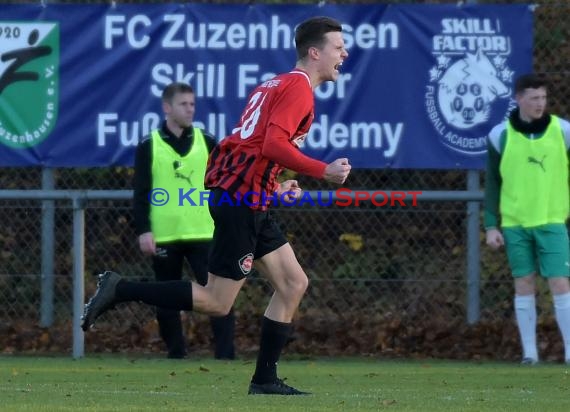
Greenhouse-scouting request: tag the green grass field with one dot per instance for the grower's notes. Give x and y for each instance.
(112, 383)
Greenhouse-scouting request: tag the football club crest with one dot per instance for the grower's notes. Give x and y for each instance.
(470, 84)
(246, 263)
(29, 82)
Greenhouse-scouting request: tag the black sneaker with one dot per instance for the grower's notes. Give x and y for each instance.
(102, 300)
(277, 387)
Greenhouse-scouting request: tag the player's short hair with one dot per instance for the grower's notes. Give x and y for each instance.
(529, 81)
(311, 33)
(173, 89)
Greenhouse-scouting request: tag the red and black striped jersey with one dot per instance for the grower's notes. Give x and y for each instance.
(277, 117)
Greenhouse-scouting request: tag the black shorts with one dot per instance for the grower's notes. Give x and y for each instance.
(240, 236)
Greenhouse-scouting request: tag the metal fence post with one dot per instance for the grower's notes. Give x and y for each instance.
(48, 252)
(473, 251)
(78, 274)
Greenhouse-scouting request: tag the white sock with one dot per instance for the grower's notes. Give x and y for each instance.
(525, 311)
(562, 311)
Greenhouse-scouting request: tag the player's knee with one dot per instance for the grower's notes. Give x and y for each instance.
(559, 285)
(298, 286)
(221, 309)
(525, 285)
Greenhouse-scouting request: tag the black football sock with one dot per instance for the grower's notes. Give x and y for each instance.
(274, 336)
(223, 328)
(174, 294)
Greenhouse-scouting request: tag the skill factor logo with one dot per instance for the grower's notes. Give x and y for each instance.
(470, 84)
(29, 82)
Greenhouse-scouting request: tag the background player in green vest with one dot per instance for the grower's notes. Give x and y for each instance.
(174, 157)
(527, 185)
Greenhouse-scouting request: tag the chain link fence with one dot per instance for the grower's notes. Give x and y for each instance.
(383, 280)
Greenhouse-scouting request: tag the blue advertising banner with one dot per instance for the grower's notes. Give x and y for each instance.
(80, 85)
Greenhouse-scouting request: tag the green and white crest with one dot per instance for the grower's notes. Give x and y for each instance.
(29, 82)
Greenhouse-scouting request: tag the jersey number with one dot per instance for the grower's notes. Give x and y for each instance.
(251, 115)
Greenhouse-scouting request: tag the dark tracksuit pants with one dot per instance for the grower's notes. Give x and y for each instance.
(168, 264)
